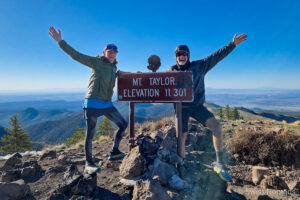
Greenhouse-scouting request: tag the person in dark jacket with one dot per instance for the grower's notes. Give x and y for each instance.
(196, 109)
(98, 99)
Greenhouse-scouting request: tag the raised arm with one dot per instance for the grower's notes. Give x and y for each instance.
(83, 59)
(217, 56)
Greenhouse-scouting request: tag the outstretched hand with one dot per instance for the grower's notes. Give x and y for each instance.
(54, 34)
(239, 39)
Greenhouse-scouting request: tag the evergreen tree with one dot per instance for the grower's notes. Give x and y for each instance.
(17, 140)
(220, 113)
(227, 112)
(106, 128)
(235, 114)
(78, 136)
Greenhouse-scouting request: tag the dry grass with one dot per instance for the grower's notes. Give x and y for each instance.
(104, 138)
(268, 148)
(55, 147)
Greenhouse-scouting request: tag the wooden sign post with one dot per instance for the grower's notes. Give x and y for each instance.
(162, 87)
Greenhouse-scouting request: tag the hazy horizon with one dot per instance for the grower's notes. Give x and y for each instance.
(31, 60)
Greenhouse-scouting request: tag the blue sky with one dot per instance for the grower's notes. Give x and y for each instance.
(31, 60)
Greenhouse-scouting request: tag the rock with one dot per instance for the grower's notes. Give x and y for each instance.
(175, 159)
(295, 185)
(157, 135)
(264, 197)
(258, 173)
(163, 171)
(28, 172)
(173, 195)
(274, 182)
(163, 154)
(149, 190)
(4, 197)
(204, 141)
(55, 170)
(68, 183)
(34, 164)
(72, 169)
(85, 185)
(191, 139)
(170, 141)
(49, 154)
(62, 159)
(14, 190)
(147, 145)
(133, 164)
(127, 182)
(13, 162)
(58, 196)
(177, 183)
(11, 175)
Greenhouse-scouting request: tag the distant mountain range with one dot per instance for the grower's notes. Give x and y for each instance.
(53, 121)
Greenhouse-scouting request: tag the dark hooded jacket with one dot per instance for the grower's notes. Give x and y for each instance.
(199, 68)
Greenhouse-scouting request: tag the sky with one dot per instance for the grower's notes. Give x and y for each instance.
(30, 60)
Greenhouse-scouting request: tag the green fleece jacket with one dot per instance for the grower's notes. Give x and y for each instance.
(103, 73)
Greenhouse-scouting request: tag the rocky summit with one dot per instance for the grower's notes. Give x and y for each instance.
(152, 170)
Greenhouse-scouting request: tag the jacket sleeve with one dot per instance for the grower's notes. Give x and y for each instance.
(89, 61)
(210, 61)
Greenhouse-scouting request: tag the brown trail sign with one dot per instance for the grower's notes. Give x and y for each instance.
(162, 87)
(156, 87)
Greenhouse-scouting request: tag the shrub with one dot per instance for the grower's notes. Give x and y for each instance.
(268, 148)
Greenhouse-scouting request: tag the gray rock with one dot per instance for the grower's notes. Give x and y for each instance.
(149, 190)
(28, 172)
(175, 159)
(49, 154)
(170, 141)
(62, 159)
(14, 190)
(57, 196)
(274, 182)
(11, 175)
(163, 154)
(4, 197)
(133, 164)
(85, 185)
(68, 183)
(177, 183)
(13, 162)
(163, 171)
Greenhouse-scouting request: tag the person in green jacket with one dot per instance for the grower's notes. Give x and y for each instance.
(98, 99)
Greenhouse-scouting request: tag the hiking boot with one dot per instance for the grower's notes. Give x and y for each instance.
(116, 155)
(91, 169)
(223, 173)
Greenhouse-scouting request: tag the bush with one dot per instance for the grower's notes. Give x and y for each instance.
(78, 136)
(268, 148)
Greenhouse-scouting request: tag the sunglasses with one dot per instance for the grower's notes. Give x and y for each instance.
(181, 53)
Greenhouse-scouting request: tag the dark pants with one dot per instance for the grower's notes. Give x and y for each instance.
(91, 115)
(199, 113)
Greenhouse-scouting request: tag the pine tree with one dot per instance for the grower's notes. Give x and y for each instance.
(235, 114)
(106, 128)
(78, 136)
(17, 140)
(220, 113)
(227, 112)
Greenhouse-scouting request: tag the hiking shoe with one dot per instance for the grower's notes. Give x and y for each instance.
(223, 173)
(116, 155)
(91, 169)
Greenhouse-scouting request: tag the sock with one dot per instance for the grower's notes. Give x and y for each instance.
(219, 155)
